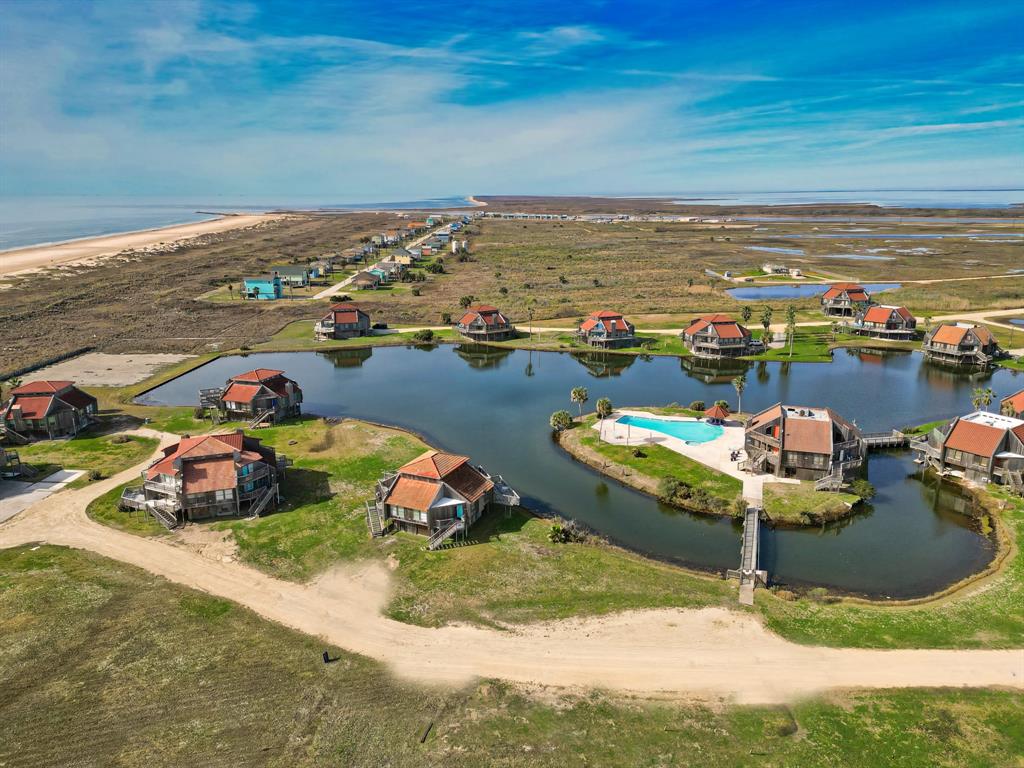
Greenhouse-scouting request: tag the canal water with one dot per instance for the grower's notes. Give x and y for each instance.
(493, 405)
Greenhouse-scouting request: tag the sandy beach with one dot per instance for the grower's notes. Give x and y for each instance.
(86, 250)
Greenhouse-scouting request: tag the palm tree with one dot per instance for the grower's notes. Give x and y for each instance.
(604, 410)
(791, 326)
(231, 290)
(739, 384)
(746, 313)
(560, 421)
(579, 395)
(766, 318)
(981, 399)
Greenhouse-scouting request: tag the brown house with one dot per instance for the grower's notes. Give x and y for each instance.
(845, 300)
(47, 410)
(960, 344)
(365, 281)
(261, 395)
(881, 321)
(607, 329)
(485, 323)
(801, 442)
(342, 321)
(208, 476)
(717, 335)
(981, 447)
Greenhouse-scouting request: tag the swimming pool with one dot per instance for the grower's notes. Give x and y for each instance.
(690, 431)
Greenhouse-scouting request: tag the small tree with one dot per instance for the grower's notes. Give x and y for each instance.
(446, 318)
(981, 399)
(739, 384)
(560, 421)
(231, 290)
(835, 330)
(746, 313)
(465, 301)
(604, 410)
(424, 336)
(791, 326)
(579, 395)
(766, 318)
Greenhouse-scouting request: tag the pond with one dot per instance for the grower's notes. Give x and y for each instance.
(493, 404)
(798, 291)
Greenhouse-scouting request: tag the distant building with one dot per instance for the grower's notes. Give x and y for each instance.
(262, 288)
(845, 300)
(774, 269)
(47, 410)
(366, 281)
(294, 275)
(980, 447)
(802, 442)
(1013, 405)
(342, 321)
(207, 477)
(607, 329)
(960, 344)
(485, 323)
(718, 335)
(259, 396)
(882, 321)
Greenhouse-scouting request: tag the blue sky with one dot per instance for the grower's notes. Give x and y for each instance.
(379, 100)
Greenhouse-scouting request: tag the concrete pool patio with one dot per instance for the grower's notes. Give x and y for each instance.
(715, 453)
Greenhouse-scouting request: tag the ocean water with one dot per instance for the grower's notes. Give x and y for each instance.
(28, 221)
(886, 198)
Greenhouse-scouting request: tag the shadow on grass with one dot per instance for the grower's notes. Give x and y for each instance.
(303, 486)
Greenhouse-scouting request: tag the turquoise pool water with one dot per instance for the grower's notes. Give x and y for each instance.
(691, 431)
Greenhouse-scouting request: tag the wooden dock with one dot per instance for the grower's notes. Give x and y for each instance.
(880, 440)
(749, 573)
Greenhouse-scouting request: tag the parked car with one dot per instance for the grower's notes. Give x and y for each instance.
(379, 326)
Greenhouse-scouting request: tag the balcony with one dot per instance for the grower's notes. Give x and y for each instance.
(167, 489)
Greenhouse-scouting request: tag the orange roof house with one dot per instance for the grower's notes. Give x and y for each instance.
(342, 321)
(607, 329)
(979, 447)
(435, 492)
(844, 299)
(961, 344)
(717, 335)
(48, 409)
(485, 323)
(885, 321)
(208, 476)
(1012, 405)
(265, 394)
(804, 442)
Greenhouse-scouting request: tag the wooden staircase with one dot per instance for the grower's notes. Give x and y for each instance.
(16, 438)
(261, 504)
(259, 420)
(443, 534)
(374, 521)
(163, 516)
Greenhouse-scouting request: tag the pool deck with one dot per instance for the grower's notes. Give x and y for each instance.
(714, 453)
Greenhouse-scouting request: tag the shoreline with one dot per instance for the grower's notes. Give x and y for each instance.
(84, 250)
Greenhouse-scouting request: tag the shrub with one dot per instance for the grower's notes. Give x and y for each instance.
(862, 488)
(503, 291)
(697, 405)
(566, 533)
(723, 403)
(465, 301)
(435, 269)
(446, 318)
(639, 454)
(95, 474)
(415, 291)
(424, 336)
(668, 488)
(739, 506)
(120, 439)
(197, 412)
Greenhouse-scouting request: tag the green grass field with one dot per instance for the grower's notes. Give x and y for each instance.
(104, 664)
(105, 510)
(105, 454)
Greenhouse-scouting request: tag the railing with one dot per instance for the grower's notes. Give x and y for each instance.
(260, 417)
(443, 534)
(159, 487)
(261, 505)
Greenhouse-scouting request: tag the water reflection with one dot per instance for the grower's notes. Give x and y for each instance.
(604, 364)
(712, 371)
(482, 357)
(347, 358)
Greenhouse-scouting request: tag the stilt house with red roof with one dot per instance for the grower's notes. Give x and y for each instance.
(980, 447)
(845, 300)
(802, 442)
(1013, 405)
(342, 321)
(47, 410)
(718, 336)
(209, 476)
(960, 344)
(881, 321)
(607, 330)
(262, 395)
(485, 323)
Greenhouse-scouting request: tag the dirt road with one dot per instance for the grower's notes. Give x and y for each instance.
(88, 249)
(711, 653)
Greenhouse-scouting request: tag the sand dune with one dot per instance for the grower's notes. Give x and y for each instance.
(89, 249)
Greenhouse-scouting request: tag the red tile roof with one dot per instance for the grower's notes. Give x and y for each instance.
(882, 314)
(948, 333)
(257, 375)
(971, 437)
(213, 454)
(807, 435)
(31, 406)
(468, 482)
(412, 493)
(42, 387)
(612, 321)
(853, 291)
(205, 475)
(485, 312)
(433, 464)
(717, 412)
(1014, 401)
(723, 325)
(240, 393)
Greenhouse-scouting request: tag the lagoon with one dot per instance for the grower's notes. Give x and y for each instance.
(493, 404)
(795, 291)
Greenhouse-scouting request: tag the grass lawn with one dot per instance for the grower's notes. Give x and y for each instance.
(802, 505)
(104, 664)
(811, 344)
(652, 344)
(656, 462)
(105, 510)
(104, 453)
(299, 336)
(322, 520)
(923, 429)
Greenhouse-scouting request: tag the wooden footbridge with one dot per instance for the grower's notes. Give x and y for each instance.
(749, 573)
